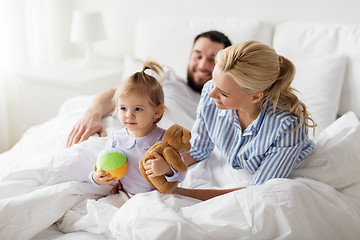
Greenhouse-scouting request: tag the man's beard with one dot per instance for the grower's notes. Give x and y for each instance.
(191, 82)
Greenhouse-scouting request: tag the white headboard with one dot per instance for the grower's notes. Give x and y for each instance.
(169, 40)
(327, 56)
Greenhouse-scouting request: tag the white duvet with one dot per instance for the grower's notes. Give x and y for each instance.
(42, 182)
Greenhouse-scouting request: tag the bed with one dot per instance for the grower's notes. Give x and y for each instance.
(43, 184)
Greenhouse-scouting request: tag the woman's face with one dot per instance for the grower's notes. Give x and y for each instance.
(229, 95)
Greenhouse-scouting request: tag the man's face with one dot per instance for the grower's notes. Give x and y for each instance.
(202, 62)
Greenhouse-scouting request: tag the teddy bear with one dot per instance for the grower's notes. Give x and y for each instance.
(175, 140)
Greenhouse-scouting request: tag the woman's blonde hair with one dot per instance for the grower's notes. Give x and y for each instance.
(143, 84)
(256, 67)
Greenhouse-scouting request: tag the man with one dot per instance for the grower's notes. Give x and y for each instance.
(200, 67)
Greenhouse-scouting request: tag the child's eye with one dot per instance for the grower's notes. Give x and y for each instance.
(123, 108)
(138, 109)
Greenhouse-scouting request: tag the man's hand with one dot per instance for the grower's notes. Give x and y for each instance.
(87, 126)
(91, 122)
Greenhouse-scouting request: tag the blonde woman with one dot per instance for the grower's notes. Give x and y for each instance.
(250, 113)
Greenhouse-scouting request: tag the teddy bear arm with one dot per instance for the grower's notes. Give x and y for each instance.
(174, 159)
(162, 185)
(168, 187)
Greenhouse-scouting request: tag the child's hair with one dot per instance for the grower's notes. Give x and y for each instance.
(144, 84)
(258, 68)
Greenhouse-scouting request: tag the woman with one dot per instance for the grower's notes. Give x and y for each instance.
(250, 113)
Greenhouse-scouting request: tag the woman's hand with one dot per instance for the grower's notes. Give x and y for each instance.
(100, 178)
(203, 194)
(157, 166)
(188, 159)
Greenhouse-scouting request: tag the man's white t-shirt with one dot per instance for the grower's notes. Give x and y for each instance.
(178, 90)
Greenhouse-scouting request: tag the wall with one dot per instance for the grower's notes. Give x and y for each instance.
(121, 15)
(47, 36)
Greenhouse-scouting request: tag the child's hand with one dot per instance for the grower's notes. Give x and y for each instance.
(157, 166)
(100, 177)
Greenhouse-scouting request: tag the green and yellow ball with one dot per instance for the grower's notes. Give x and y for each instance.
(112, 161)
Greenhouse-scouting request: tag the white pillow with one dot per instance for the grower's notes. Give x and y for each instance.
(336, 156)
(350, 98)
(311, 40)
(319, 82)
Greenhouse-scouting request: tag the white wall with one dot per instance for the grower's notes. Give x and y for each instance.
(52, 41)
(121, 15)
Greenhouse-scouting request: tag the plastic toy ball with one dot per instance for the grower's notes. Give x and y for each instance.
(112, 161)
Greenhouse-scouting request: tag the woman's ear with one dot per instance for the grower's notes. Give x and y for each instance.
(257, 97)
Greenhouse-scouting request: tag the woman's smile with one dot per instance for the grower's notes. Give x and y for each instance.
(218, 102)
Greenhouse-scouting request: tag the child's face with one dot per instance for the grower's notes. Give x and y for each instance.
(137, 115)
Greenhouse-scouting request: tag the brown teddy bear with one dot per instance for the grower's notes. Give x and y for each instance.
(176, 140)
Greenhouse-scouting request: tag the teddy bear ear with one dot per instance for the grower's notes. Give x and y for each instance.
(173, 129)
(186, 136)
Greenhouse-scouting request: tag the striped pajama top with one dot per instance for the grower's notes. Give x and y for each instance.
(269, 147)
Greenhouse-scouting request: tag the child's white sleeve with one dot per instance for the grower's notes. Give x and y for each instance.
(93, 182)
(177, 176)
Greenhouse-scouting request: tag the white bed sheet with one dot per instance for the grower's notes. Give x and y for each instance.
(41, 180)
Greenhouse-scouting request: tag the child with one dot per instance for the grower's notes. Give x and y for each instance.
(139, 106)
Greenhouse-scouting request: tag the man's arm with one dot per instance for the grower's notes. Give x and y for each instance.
(91, 122)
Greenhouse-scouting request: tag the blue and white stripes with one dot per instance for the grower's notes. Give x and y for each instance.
(269, 147)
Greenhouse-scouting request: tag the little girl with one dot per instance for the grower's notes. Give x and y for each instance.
(139, 106)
